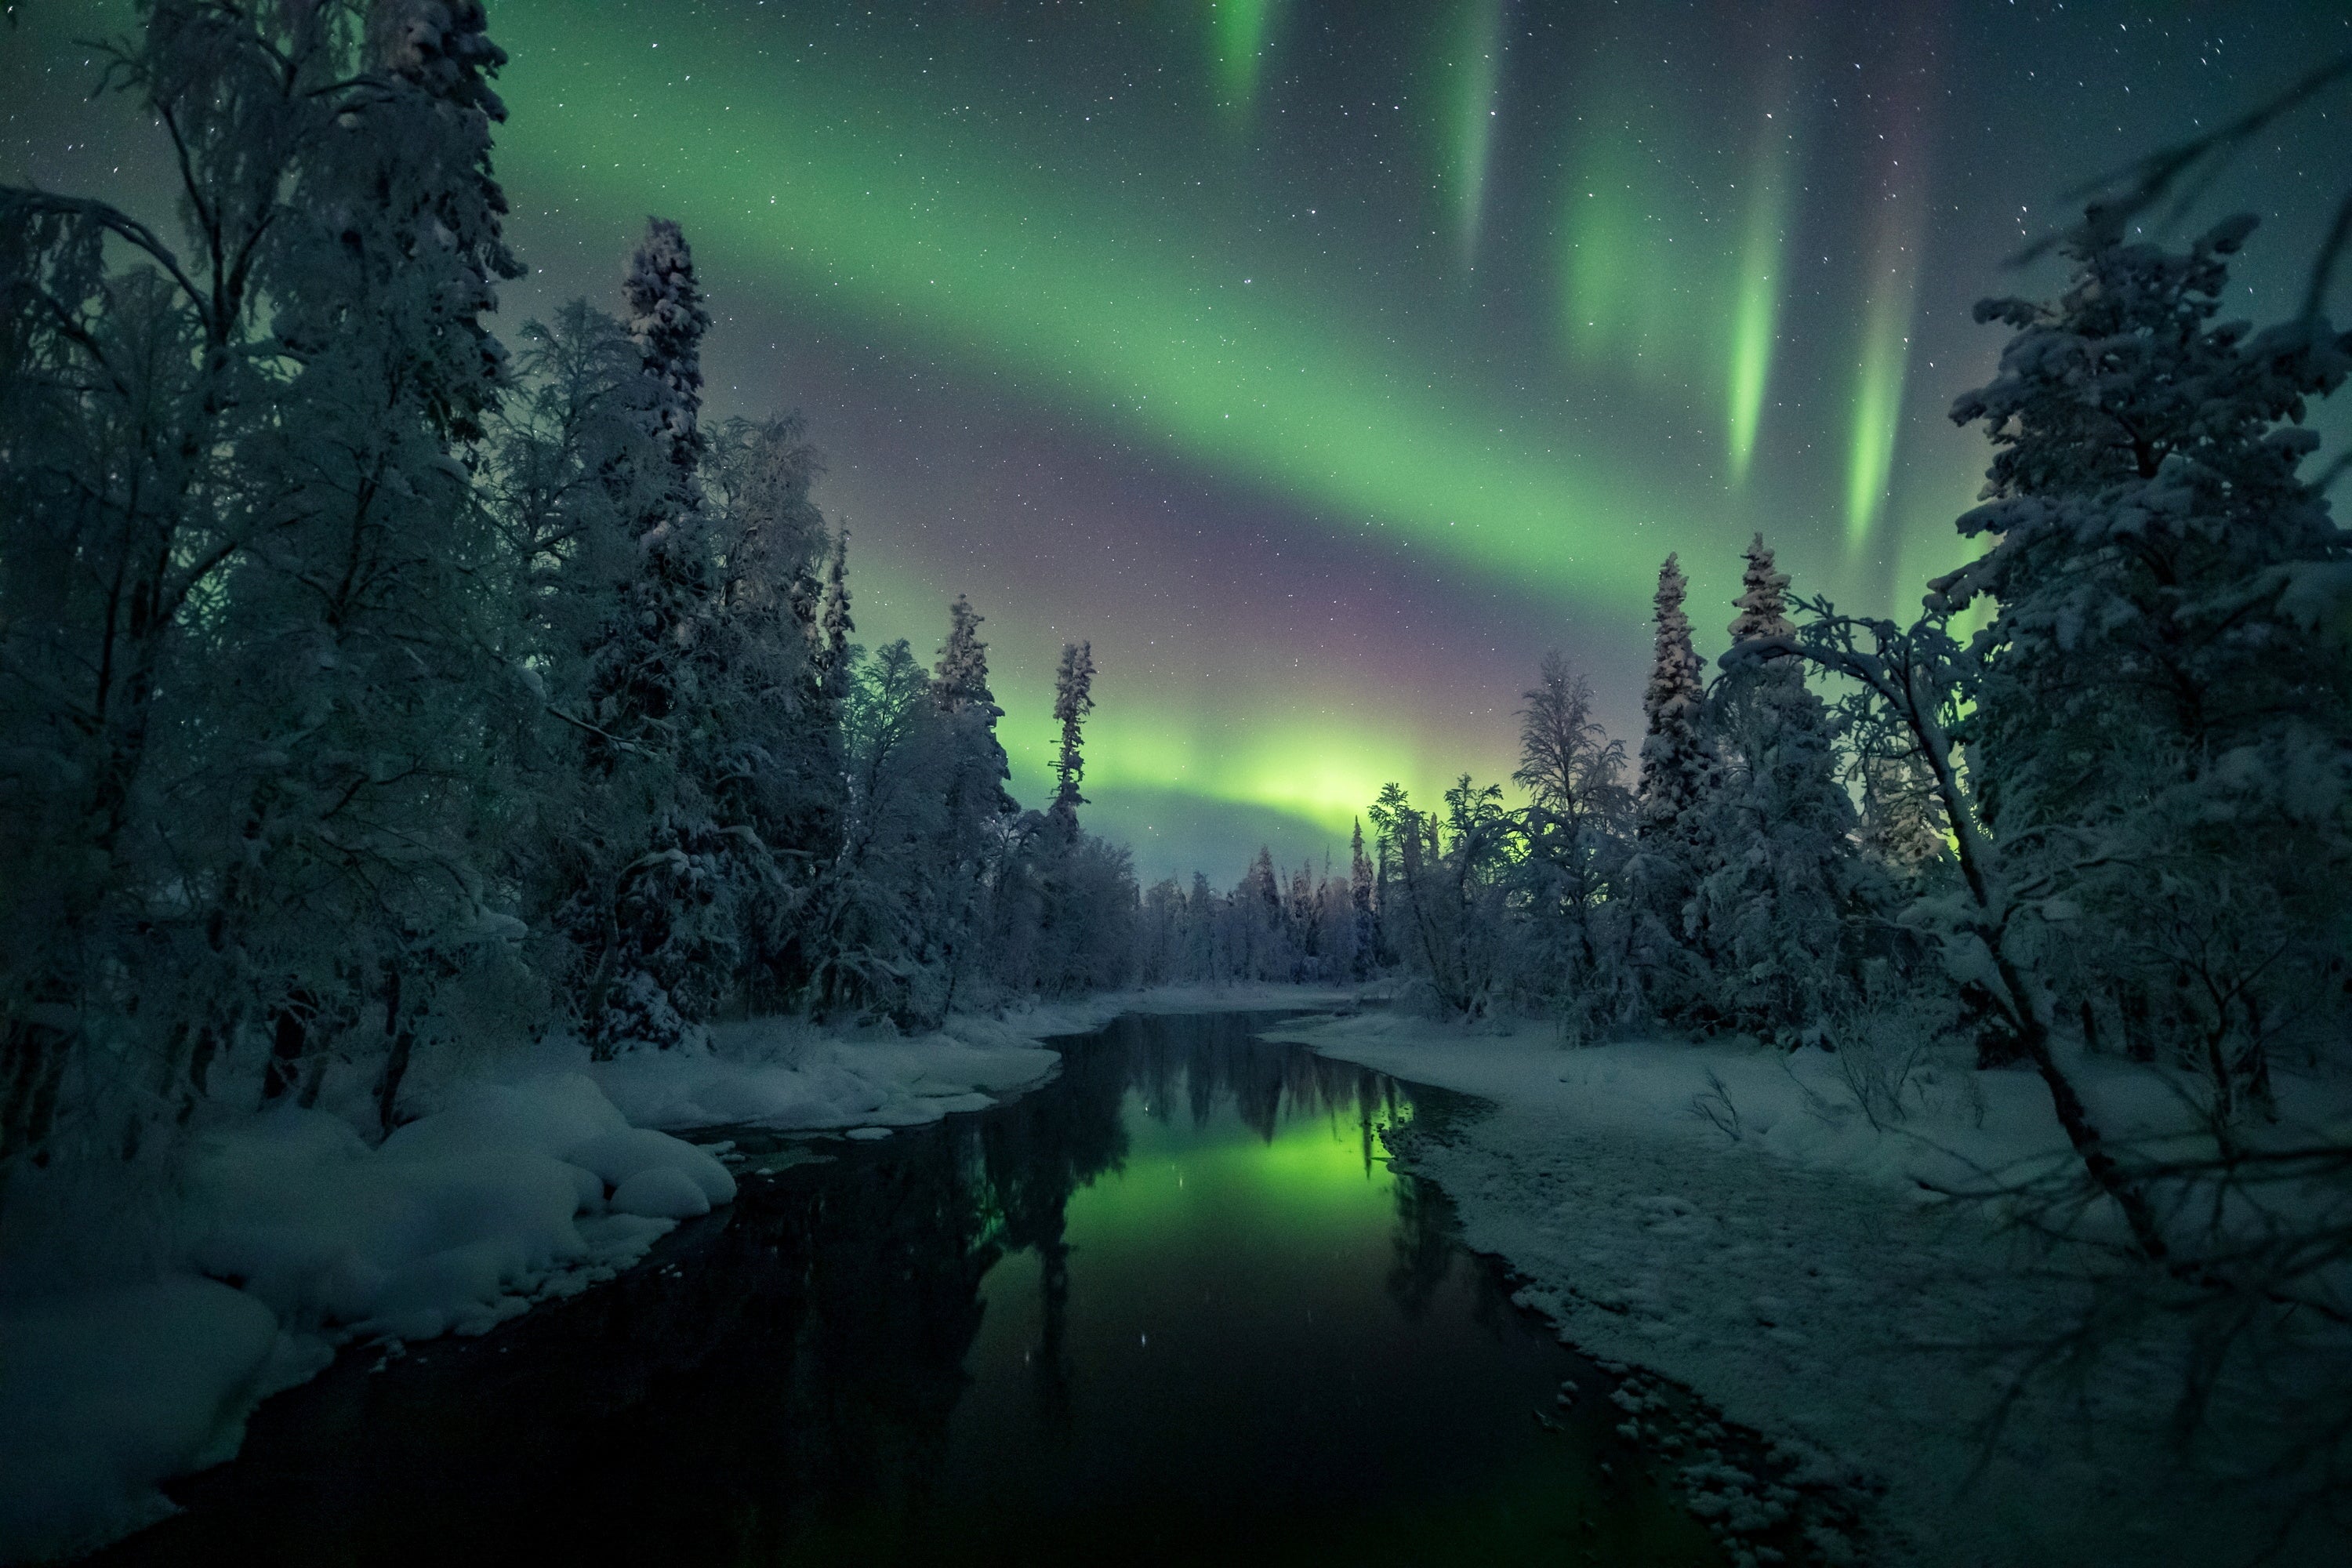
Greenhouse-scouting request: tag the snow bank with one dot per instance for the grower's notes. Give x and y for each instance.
(786, 1074)
(1733, 1220)
(293, 1236)
(298, 1237)
(105, 1394)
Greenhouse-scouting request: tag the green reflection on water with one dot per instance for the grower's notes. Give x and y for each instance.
(1249, 1333)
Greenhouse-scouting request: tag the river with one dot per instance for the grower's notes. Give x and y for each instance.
(1171, 1307)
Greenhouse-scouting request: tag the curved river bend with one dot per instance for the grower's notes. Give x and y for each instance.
(1174, 1307)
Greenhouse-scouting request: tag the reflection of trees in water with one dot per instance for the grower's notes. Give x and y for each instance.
(1032, 1154)
(809, 1347)
(785, 1393)
(1424, 1245)
(1217, 1059)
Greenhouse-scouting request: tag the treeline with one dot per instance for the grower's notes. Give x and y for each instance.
(1306, 927)
(364, 684)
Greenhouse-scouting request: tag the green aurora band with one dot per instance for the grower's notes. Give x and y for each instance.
(1108, 313)
(872, 203)
(1474, 81)
(1885, 359)
(1755, 305)
(1238, 32)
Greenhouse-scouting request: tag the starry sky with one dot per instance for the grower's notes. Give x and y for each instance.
(1325, 362)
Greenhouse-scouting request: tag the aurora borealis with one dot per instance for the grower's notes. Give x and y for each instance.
(1324, 362)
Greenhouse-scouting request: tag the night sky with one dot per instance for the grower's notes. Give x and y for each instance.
(1324, 362)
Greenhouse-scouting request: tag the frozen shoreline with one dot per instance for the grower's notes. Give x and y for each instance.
(522, 1177)
(1800, 1279)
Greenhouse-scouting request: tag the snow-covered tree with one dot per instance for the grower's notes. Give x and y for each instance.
(2156, 730)
(656, 918)
(1364, 910)
(970, 846)
(1578, 811)
(1902, 824)
(1677, 761)
(1080, 889)
(298, 603)
(1073, 700)
(834, 623)
(358, 623)
(1771, 902)
(878, 947)
(770, 754)
(666, 318)
(1452, 888)
(1678, 769)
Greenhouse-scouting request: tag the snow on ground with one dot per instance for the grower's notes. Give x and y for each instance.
(779, 1073)
(288, 1234)
(289, 1237)
(785, 1074)
(1730, 1219)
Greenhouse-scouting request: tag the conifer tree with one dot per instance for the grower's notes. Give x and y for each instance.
(1360, 888)
(1073, 700)
(972, 839)
(1770, 905)
(657, 920)
(1677, 773)
(1676, 761)
(2150, 729)
(666, 318)
(833, 620)
(976, 794)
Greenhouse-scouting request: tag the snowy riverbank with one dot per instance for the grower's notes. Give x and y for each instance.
(1799, 1278)
(144, 1314)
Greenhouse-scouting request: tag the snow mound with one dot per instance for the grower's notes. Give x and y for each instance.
(660, 1192)
(301, 1237)
(619, 1158)
(782, 1075)
(108, 1394)
(455, 1223)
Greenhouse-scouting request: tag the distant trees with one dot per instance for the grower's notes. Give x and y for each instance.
(1304, 926)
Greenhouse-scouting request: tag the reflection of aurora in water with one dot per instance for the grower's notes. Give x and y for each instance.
(1174, 1307)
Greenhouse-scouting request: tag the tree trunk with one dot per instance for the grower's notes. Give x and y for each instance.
(400, 1034)
(290, 1041)
(32, 1072)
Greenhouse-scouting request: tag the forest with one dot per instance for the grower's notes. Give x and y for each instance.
(369, 680)
(376, 690)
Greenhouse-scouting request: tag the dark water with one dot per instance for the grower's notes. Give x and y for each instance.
(1172, 1308)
